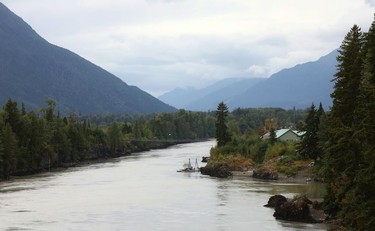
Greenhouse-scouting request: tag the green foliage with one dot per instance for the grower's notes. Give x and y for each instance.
(341, 150)
(308, 147)
(273, 135)
(9, 151)
(280, 149)
(37, 142)
(30, 143)
(347, 134)
(251, 118)
(115, 138)
(234, 162)
(291, 165)
(222, 133)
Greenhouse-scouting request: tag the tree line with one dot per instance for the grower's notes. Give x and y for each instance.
(32, 141)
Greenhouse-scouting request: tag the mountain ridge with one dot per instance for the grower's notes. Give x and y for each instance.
(196, 99)
(34, 70)
(298, 86)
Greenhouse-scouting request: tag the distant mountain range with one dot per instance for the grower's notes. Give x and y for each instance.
(207, 98)
(33, 70)
(294, 87)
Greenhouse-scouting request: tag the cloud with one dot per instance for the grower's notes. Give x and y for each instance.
(162, 44)
(277, 63)
(371, 3)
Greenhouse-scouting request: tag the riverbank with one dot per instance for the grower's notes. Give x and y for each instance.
(298, 171)
(101, 155)
(299, 177)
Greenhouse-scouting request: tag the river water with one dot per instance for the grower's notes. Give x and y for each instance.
(144, 192)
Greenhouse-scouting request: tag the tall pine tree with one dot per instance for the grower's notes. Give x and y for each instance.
(359, 214)
(308, 147)
(222, 134)
(341, 151)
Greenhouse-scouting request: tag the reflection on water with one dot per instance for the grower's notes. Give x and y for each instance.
(144, 192)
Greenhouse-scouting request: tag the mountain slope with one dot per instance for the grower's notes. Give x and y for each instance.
(295, 87)
(207, 98)
(33, 70)
(227, 92)
(181, 97)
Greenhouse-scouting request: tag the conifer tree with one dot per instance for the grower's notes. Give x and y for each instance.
(222, 134)
(1, 152)
(360, 213)
(341, 151)
(12, 116)
(308, 147)
(9, 153)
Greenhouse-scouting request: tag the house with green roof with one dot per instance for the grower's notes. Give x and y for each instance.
(286, 135)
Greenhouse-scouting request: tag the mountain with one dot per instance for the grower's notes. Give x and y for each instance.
(207, 98)
(181, 97)
(225, 93)
(33, 70)
(295, 87)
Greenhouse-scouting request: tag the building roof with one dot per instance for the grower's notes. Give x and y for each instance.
(281, 132)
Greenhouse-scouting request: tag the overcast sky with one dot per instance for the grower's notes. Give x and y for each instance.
(159, 45)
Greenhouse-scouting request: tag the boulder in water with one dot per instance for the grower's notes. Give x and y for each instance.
(216, 170)
(276, 201)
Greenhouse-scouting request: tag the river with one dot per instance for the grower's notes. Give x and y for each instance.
(144, 192)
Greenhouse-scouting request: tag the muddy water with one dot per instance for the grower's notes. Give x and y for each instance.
(144, 192)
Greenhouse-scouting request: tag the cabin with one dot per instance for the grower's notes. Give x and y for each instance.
(286, 135)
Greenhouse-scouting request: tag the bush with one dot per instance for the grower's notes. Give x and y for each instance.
(235, 162)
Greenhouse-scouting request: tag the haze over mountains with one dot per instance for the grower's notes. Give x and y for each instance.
(294, 87)
(33, 70)
(207, 98)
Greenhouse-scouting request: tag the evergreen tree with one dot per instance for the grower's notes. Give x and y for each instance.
(9, 154)
(12, 116)
(348, 76)
(1, 152)
(222, 134)
(359, 214)
(115, 136)
(340, 149)
(309, 147)
(50, 110)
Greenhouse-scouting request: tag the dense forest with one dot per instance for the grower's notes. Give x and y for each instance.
(31, 142)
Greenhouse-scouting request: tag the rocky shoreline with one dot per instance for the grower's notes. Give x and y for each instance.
(224, 171)
(299, 209)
